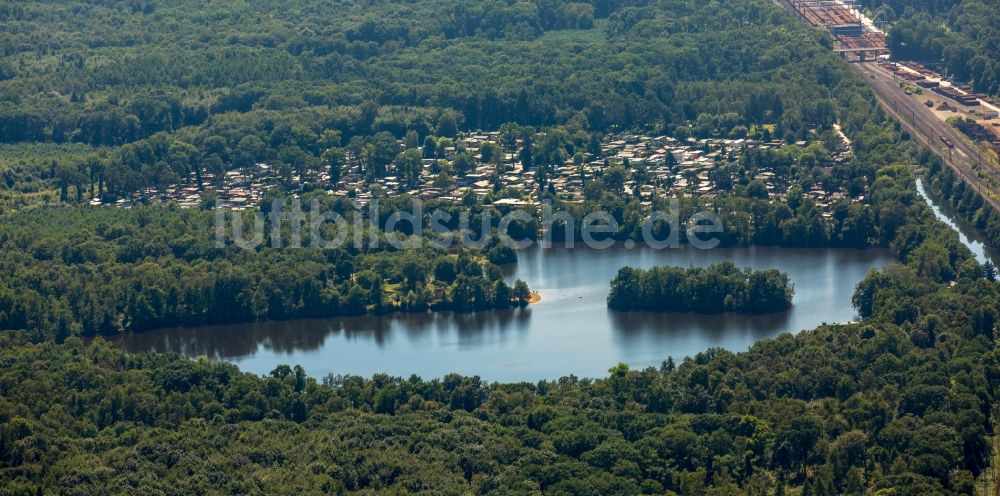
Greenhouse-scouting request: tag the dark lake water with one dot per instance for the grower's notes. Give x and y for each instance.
(571, 331)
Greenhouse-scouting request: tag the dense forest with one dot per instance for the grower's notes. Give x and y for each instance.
(721, 287)
(106, 271)
(390, 67)
(168, 67)
(103, 97)
(177, 87)
(961, 34)
(897, 404)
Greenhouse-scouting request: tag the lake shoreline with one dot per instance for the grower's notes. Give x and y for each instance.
(567, 328)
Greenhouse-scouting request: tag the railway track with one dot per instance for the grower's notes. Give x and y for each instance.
(932, 132)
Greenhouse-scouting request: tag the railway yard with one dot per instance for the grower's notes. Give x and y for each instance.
(965, 135)
(853, 34)
(961, 126)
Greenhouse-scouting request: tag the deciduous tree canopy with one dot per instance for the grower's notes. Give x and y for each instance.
(721, 287)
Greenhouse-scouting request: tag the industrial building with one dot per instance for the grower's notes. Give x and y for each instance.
(851, 34)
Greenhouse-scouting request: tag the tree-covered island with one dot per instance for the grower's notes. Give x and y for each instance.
(722, 287)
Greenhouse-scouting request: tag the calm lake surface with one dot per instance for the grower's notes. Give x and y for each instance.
(571, 331)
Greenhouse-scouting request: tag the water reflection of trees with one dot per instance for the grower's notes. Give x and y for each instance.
(233, 342)
(716, 327)
(572, 319)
